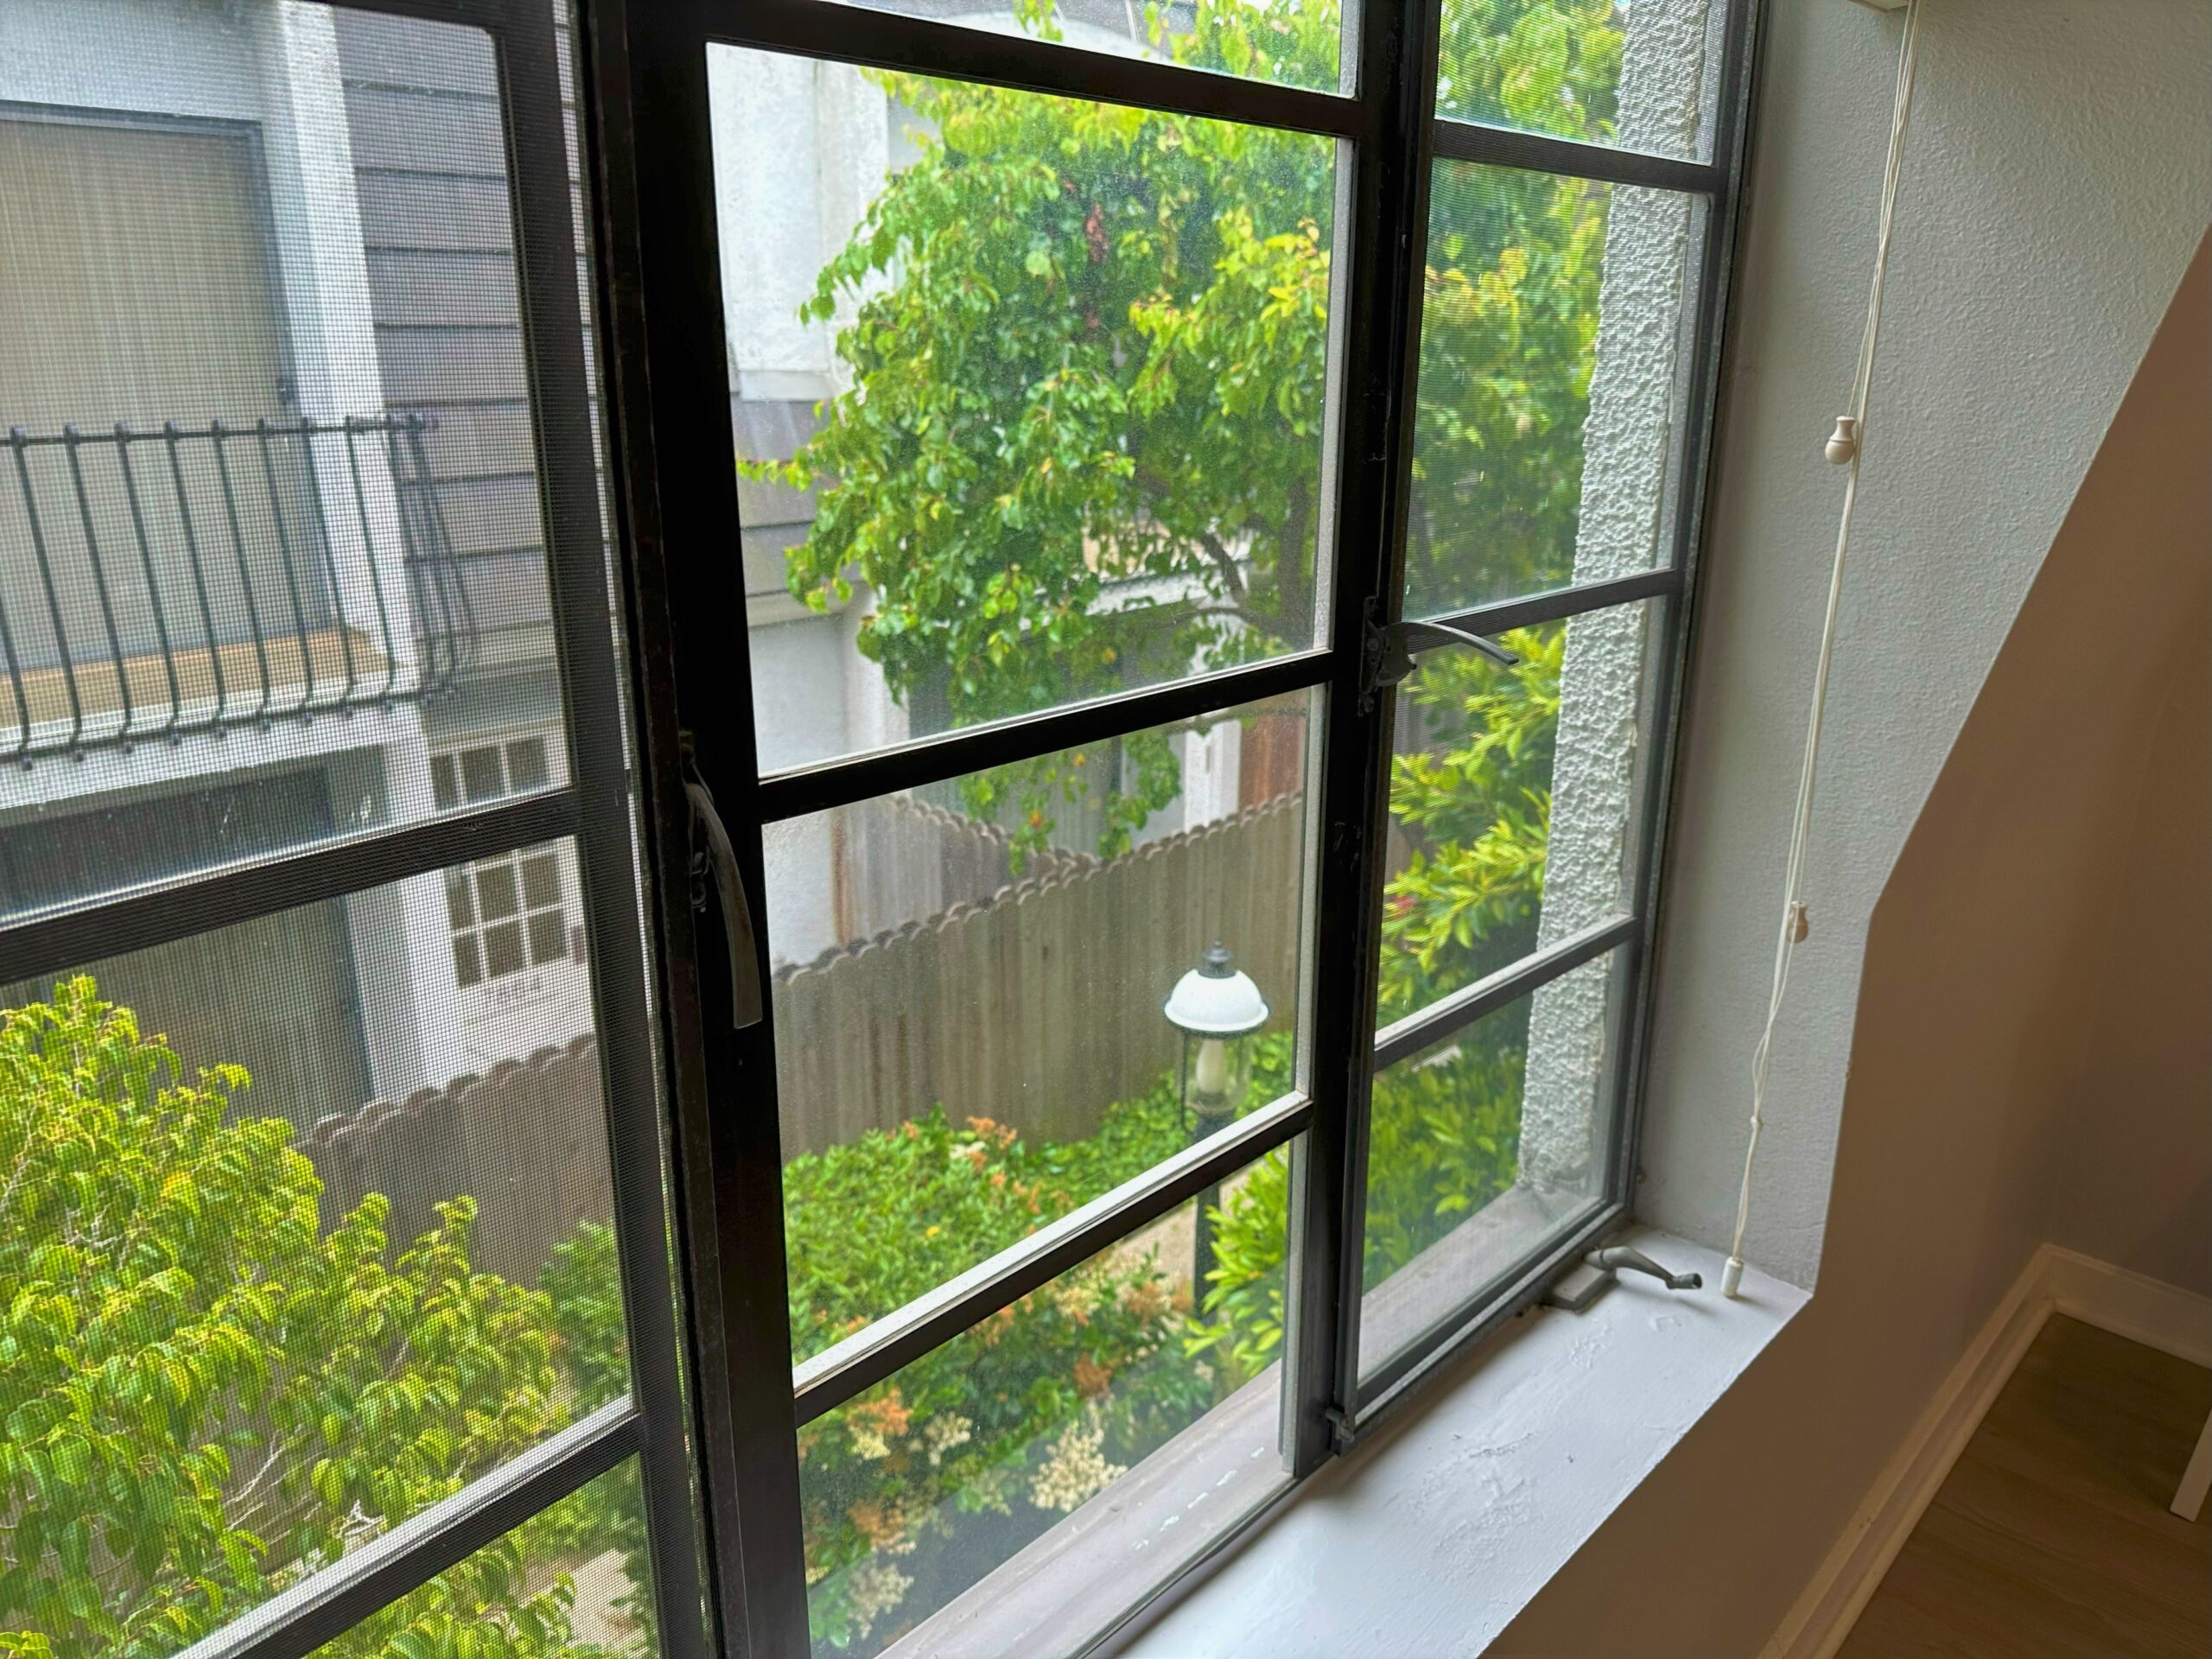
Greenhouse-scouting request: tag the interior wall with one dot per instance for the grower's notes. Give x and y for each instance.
(2127, 1173)
(1997, 1034)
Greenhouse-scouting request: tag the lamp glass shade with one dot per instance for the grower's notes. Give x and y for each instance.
(1206, 1005)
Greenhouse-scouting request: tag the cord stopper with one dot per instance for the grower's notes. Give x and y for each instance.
(1843, 442)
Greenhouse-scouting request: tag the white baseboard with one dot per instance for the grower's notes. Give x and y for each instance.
(2173, 1320)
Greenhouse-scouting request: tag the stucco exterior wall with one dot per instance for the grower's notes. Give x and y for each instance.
(1630, 443)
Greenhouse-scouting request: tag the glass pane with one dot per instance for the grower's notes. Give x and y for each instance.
(971, 1031)
(266, 276)
(1514, 793)
(292, 1256)
(571, 1583)
(1072, 1431)
(1481, 1148)
(1029, 396)
(1554, 320)
(1642, 76)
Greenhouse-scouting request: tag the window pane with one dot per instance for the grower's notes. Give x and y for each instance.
(1548, 402)
(1513, 800)
(1483, 1146)
(281, 256)
(1043, 1458)
(495, 889)
(1642, 76)
(303, 1100)
(526, 766)
(571, 1583)
(969, 991)
(1295, 42)
(1027, 394)
(541, 880)
(548, 937)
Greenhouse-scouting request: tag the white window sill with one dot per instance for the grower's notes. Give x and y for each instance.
(1432, 1536)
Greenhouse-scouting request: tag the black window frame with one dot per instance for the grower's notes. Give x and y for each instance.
(691, 1107)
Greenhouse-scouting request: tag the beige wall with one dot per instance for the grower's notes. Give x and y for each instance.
(2030, 1058)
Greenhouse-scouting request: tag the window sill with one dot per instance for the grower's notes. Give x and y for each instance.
(1433, 1535)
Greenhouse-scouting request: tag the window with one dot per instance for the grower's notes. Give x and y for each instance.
(508, 915)
(882, 920)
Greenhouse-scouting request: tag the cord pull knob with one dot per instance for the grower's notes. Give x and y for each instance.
(1843, 442)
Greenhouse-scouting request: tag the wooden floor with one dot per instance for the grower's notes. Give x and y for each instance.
(2050, 1538)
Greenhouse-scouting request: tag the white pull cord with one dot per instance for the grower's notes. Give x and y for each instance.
(1843, 448)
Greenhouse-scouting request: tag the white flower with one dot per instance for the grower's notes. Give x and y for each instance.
(942, 1434)
(868, 1442)
(875, 1587)
(1076, 1470)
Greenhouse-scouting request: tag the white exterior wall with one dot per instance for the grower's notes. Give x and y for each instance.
(273, 64)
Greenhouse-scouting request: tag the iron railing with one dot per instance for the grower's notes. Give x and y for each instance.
(154, 584)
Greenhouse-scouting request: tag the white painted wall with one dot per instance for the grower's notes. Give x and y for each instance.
(2060, 176)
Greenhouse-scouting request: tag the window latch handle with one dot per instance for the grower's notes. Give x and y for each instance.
(714, 858)
(1619, 1258)
(1390, 648)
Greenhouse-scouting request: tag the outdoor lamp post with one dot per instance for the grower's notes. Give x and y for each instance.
(1212, 1006)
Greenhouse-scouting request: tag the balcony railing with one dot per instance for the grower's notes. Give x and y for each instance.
(154, 584)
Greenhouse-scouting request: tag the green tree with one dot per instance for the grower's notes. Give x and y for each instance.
(207, 1389)
(1087, 353)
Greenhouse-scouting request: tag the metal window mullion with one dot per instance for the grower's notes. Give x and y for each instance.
(547, 243)
(869, 1356)
(842, 782)
(1379, 315)
(137, 918)
(674, 387)
(1468, 140)
(329, 1602)
(899, 42)
(1561, 602)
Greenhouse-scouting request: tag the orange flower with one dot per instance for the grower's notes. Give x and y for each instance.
(879, 1523)
(1146, 1301)
(1091, 1378)
(887, 1416)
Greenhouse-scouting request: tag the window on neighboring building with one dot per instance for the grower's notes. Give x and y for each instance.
(509, 914)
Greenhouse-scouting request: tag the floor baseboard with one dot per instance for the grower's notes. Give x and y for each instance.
(2055, 1280)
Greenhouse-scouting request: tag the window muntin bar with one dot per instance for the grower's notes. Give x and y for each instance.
(868, 1356)
(893, 39)
(138, 919)
(1433, 1024)
(1008, 742)
(388, 1568)
(1041, 1410)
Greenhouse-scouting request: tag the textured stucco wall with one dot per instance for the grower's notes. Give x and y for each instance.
(1630, 439)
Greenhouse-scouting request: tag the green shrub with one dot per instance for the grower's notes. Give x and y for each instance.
(207, 1389)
